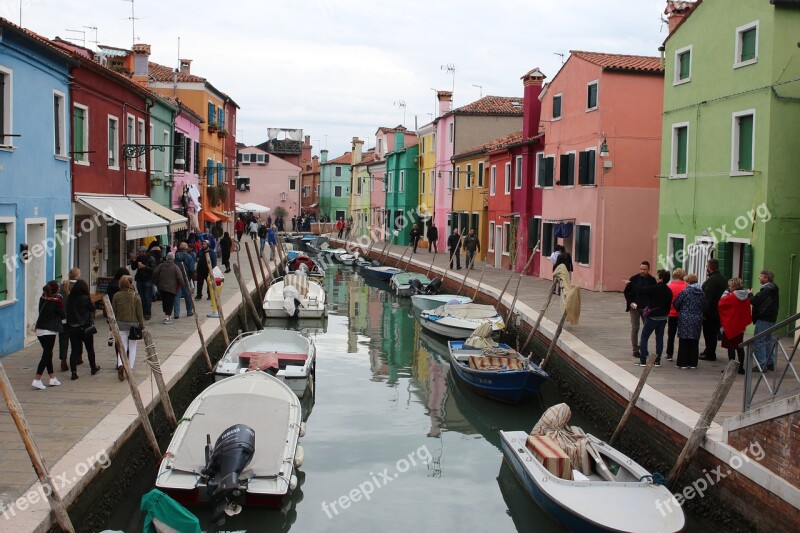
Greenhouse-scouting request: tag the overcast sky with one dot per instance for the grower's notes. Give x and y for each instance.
(340, 68)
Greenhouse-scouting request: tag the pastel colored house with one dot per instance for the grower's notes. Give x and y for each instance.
(384, 142)
(401, 190)
(309, 188)
(35, 199)
(186, 169)
(335, 186)
(427, 177)
(470, 202)
(599, 167)
(269, 181)
(162, 131)
(360, 197)
(729, 154)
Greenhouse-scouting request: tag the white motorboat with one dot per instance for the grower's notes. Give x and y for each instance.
(432, 301)
(295, 296)
(255, 421)
(288, 355)
(346, 259)
(460, 320)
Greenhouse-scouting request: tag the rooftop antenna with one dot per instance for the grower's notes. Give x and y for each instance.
(451, 69)
(81, 38)
(133, 18)
(402, 103)
(96, 41)
(559, 55)
(480, 88)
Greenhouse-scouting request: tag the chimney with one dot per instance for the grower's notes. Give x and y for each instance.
(445, 101)
(532, 83)
(399, 138)
(358, 145)
(676, 11)
(323, 156)
(305, 152)
(141, 58)
(186, 66)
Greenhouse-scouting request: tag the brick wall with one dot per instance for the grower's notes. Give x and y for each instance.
(780, 438)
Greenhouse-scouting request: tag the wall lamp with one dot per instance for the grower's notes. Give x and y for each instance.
(604, 148)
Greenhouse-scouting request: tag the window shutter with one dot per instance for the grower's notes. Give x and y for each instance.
(533, 231)
(682, 140)
(591, 100)
(77, 134)
(549, 163)
(178, 146)
(480, 175)
(685, 64)
(583, 167)
(220, 173)
(547, 238)
(725, 258)
(563, 176)
(196, 157)
(3, 270)
(209, 172)
(590, 166)
(187, 153)
(748, 44)
(747, 265)
(746, 142)
(212, 113)
(556, 106)
(474, 222)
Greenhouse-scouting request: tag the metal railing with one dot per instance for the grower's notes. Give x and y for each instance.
(772, 375)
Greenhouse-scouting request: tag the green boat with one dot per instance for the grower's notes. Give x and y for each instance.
(402, 283)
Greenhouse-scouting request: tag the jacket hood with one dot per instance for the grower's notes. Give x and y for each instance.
(741, 294)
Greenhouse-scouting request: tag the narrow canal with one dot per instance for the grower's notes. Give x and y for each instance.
(393, 443)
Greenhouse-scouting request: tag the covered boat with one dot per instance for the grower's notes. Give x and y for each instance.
(313, 268)
(432, 301)
(383, 273)
(254, 421)
(295, 296)
(288, 355)
(585, 484)
(458, 321)
(408, 283)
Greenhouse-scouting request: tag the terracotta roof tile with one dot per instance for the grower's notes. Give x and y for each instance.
(494, 144)
(369, 157)
(345, 158)
(165, 74)
(491, 105)
(621, 61)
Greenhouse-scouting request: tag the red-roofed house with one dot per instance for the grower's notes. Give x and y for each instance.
(598, 170)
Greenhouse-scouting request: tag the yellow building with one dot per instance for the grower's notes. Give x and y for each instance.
(427, 161)
(470, 205)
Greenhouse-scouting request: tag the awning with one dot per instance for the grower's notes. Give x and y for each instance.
(211, 217)
(176, 222)
(252, 206)
(137, 221)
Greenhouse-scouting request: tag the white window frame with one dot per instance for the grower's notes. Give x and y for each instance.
(10, 252)
(560, 96)
(492, 180)
(506, 244)
(738, 45)
(518, 172)
(507, 184)
(492, 225)
(401, 186)
(596, 83)
(389, 185)
(575, 244)
(113, 151)
(735, 143)
(61, 127)
(142, 139)
(85, 156)
(8, 101)
(676, 80)
(671, 250)
(673, 160)
(130, 137)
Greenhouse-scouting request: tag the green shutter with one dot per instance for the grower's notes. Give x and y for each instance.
(212, 113)
(480, 174)
(590, 166)
(541, 170)
(533, 231)
(547, 238)
(3, 269)
(220, 174)
(678, 253)
(745, 142)
(681, 139)
(563, 164)
(748, 44)
(583, 244)
(549, 164)
(58, 251)
(685, 60)
(725, 258)
(209, 172)
(747, 266)
(78, 123)
(475, 221)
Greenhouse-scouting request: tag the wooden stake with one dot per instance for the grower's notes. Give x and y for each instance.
(541, 315)
(402, 256)
(480, 280)
(197, 319)
(155, 367)
(430, 267)
(699, 432)
(212, 290)
(651, 359)
(247, 302)
(38, 462)
(508, 281)
(519, 282)
(466, 273)
(137, 399)
(255, 277)
(555, 340)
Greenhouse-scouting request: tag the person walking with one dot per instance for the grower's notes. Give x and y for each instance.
(127, 307)
(339, 228)
(471, 245)
(765, 313)
(636, 301)
(294, 223)
(63, 335)
(433, 238)
(80, 324)
(202, 271)
(225, 245)
(186, 260)
(348, 227)
(415, 235)
(454, 246)
(734, 317)
(253, 228)
(262, 236)
(168, 279)
(48, 326)
(713, 287)
(563, 258)
(689, 303)
(676, 286)
(144, 264)
(272, 240)
(238, 228)
(659, 303)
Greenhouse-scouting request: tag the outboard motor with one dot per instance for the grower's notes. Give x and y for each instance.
(416, 285)
(434, 286)
(376, 263)
(224, 464)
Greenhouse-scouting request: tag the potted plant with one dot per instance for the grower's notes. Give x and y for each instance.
(155, 180)
(222, 193)
(212, 127)
(222, 132)
(213, 195)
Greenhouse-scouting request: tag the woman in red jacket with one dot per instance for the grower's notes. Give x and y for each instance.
(734, 315)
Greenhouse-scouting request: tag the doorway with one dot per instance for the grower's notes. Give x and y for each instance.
(35, 270)
(498, 246)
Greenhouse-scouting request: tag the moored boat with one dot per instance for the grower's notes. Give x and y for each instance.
(406, 284)
(313, 268)
(383, 273)
(460, 320)
(432, 301)
(295, 296)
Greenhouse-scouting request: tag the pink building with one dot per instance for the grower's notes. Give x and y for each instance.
(268, 180)
(187, 161)
(600, 165)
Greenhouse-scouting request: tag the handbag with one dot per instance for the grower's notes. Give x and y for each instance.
(647, 311)
(89, 330)
(135, 333)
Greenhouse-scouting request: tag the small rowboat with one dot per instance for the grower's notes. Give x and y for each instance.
(405, 286)
(460, 320)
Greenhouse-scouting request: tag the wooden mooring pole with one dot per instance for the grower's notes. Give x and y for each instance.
(155, 367)
(400, 259)
(137, 399)
(651, 359)
(247, 301)
(255, 276)
(197, 320)
(384, 248)
(555, 340)
(430, 267)
(706, 417)
(37, 460)
(212, 290)
(519, 282)
(466, 273)
(480, 280)
(541, 315)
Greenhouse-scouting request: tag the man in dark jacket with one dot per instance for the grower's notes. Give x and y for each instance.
(415, 236)
(454, 245)
(765, 313)
(433, 238)
(636, 300)
(143, 265)
(202, 271)
(471, 245)
(713, 287)
(225, 244)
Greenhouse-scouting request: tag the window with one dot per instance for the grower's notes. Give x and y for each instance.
(389, 184)
(220, 118)
(451, 129)
(683, 65)
(7, 250)
(591, 96)
(113, 143)
(59, 124)
(317, 190)
(401, 186)
(582, 241)
(534, 232)
(197, 157)
(380, 146)
(557, 106)
(210, 172)
(586, 167)
(337, 191)
(130, 138)
(492, 180)
(547, 238)
(491, 237)
(143, 140)
(507, 183)
(544, 170)
(337, 171)
(566, 177)
(480, 175)
(458, 178)
(220, 173)
(743, 145)
(469, 176)
(80, 134)
(675, 252)
(358, 185)
(746, 45)
(518, 172)
(165, 159)
(422, 145)
(59, 257)
(680, 150)
(422, 184)
(212, 113)
(506, 237)
(242, 184)
(292, 184)
(5, 109)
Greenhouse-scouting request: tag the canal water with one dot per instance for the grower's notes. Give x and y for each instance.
(392, 442)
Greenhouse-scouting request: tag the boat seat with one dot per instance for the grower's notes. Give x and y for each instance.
(550, 455)
(270, 360)
(477, 362)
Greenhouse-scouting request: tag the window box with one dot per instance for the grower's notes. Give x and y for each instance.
(212, 127)
(222, 132)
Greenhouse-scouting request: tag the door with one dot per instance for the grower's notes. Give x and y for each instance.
(498, 246)
(35, 272)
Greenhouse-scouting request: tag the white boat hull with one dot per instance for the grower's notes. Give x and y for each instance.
(460, 320)
(425, 302)
(312, 303)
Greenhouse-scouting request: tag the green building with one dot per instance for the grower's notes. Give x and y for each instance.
(729, 160)
(334, 193)
(402, 189)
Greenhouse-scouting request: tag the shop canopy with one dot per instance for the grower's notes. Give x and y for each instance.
(137, 221)
(176, 222)
(252, 206)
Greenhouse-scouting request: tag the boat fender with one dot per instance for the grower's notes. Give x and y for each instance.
(299, 454)
(293, 482)
(302, 429)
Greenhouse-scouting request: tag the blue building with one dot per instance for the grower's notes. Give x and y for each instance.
(35, 177)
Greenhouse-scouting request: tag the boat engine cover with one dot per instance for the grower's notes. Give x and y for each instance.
(434, 286)
(231, 454)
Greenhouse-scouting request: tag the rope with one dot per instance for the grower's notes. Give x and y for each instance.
(655, 478)
(498, 352)
(152, 360)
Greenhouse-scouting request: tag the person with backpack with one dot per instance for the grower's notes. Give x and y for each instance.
(262, 235)
(185, 260)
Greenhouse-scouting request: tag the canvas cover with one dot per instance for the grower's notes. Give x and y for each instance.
(466, 311)
(571, 439)
(550, 455)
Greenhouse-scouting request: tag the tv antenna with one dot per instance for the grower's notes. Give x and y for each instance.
(480, 88)
(559, 54)
(402, 103)
(133, 18)
(451, 69)
(76, 38)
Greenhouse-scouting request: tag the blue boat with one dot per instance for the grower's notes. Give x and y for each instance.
(383, 273)
(501, 373)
